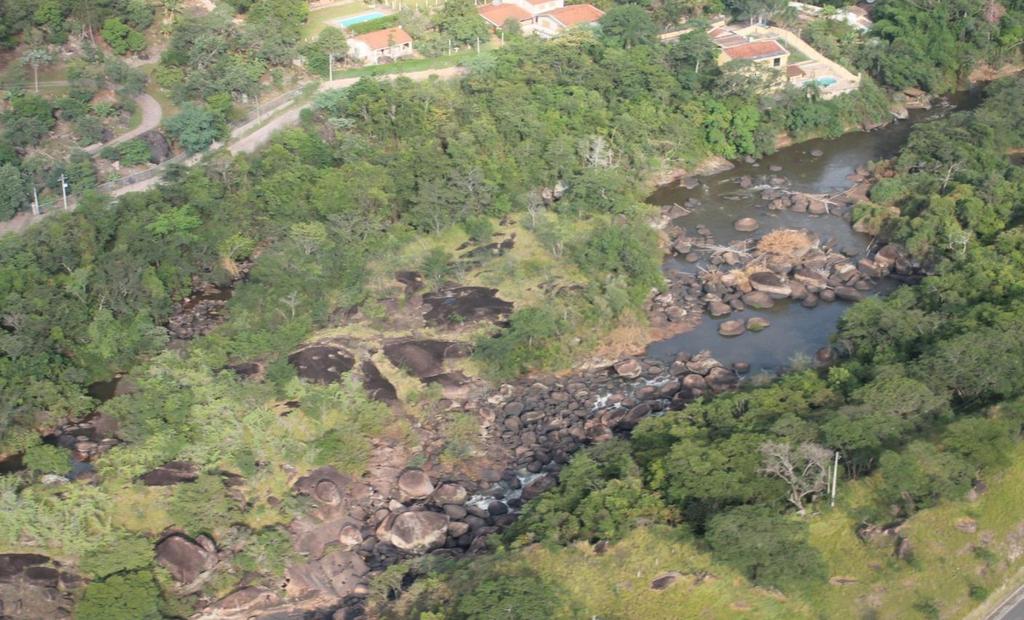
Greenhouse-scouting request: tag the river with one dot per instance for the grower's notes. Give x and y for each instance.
(817, 166)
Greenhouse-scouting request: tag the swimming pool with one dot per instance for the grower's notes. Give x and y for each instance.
(348, 22)
(826, 81)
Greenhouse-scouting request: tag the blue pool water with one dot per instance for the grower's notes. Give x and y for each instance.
(358, 19)
(826, 81)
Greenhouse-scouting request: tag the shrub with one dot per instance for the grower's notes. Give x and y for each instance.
(765, 546)
(509, 597)
(478, 227)
(133, 152)
(132, 596)
(47, 459)
(129, 553)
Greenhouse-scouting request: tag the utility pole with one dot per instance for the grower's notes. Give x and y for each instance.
(835, 478)
(35, 200)
(330, 66)
(478, 45)
(64, 191)
(449, 47)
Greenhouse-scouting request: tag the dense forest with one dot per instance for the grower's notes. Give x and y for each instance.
(923, 404)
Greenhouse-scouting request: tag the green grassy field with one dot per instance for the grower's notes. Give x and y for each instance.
(961, 553)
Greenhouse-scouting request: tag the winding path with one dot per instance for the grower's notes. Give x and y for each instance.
(152, 114)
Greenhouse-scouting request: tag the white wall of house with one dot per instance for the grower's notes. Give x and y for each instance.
(362, 52)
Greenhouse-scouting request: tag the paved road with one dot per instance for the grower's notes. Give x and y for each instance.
(1012, 607)
(152, 114)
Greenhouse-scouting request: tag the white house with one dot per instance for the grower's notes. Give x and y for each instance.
(380, 45)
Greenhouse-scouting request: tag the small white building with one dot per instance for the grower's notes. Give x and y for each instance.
(381, 46)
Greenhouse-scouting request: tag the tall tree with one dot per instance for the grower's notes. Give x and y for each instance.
(37, 57)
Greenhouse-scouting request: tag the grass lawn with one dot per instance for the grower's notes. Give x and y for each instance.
(318, 20)
(417, 64)
(405, 66)
(795, 55)
(952, 569)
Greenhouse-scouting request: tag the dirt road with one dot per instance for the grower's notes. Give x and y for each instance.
(290, 116)
(245, 144)
(152, 114)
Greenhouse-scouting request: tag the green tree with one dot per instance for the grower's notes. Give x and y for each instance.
(195, 127)
(37, 57)
(628, 25)
(121, 38)
(330, 43)
(767, 548)
(13, 191)
(920, 476)
(458, 20)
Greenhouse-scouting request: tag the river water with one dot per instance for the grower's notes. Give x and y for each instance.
(815, 167)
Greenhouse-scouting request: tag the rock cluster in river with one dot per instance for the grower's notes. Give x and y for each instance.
(737, 277)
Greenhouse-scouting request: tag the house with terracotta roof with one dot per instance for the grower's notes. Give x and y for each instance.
(735, 46)
(545, 18)
(766, 51)
(381, 46)
(497, 15)
(558, 20)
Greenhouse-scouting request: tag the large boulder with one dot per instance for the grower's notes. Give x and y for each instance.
(768, 282)
(718, 308)
(332, 488)
(450, 493)
(759, 300)
(186, 559)
(746, 224)
(757, 323)
(629, 368)
(242, 603)
(847, 293)
(731, 328)
(413, 484)
(159, 148)
(174, 472)
(418, 532)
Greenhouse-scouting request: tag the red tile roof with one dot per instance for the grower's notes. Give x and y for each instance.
(576, 14)
(383, 39)
(498, 14)
(756, 50)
